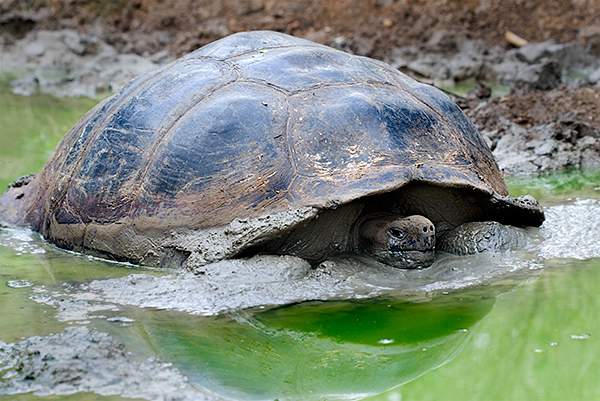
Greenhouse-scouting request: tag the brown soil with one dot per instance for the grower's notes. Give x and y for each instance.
(372, 27)
(565, 105)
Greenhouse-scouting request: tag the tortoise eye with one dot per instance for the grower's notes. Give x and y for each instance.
(395, 232)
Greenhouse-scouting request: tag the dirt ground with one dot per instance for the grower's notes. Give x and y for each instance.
(374, 27)
(369, 27)
(565, 105)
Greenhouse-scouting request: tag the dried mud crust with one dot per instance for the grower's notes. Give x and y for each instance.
(372, 27)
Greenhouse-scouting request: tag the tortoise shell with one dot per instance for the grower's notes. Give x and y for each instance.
(255, 124)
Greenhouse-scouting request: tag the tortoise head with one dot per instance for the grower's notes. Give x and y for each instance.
(403, 242)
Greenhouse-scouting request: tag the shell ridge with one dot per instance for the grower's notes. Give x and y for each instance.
(246, 52)
(266, 84)
(339, 85)
(291, 148)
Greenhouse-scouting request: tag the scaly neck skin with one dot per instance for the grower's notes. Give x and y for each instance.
(403, 242)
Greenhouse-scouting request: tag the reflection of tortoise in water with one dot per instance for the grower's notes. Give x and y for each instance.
(261, 142)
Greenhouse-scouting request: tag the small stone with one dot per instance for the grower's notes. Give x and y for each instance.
(533, 53)
(35, 49)
(75, 42)
(545, 148)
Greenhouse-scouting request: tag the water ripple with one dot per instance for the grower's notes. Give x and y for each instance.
(572, 231)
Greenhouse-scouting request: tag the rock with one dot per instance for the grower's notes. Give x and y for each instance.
(35, 49)
(595, 76)
(247, 7)
(339, 42)
(444, 59)
(79, 360)
(74, 42)
(465, 66)
(384, 3)
(534, 53)
(481, 91)
(538, 77)
(542, 148)
(15, 24)
(354, 45)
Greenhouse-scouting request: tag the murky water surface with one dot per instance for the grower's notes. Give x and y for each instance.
(74, 327)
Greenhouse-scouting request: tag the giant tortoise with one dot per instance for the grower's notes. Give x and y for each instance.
(266, 143)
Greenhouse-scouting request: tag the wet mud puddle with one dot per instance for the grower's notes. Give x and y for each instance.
(75, 325)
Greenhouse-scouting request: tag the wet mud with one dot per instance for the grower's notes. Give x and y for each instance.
(80, 359)
(270, 281)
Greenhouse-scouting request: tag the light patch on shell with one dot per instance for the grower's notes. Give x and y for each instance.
(321, 167)
(257, 182)
(355, 170)
(353, 151)
(352, 170)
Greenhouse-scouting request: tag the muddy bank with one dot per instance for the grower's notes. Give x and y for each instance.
(85, 360)
(68, 63)
(371, 27)
(541, 132)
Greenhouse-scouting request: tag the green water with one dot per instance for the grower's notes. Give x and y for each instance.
(537, 339)
(30, 127)
(523, 350)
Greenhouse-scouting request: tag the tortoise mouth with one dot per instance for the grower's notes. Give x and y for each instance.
(406, 259)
